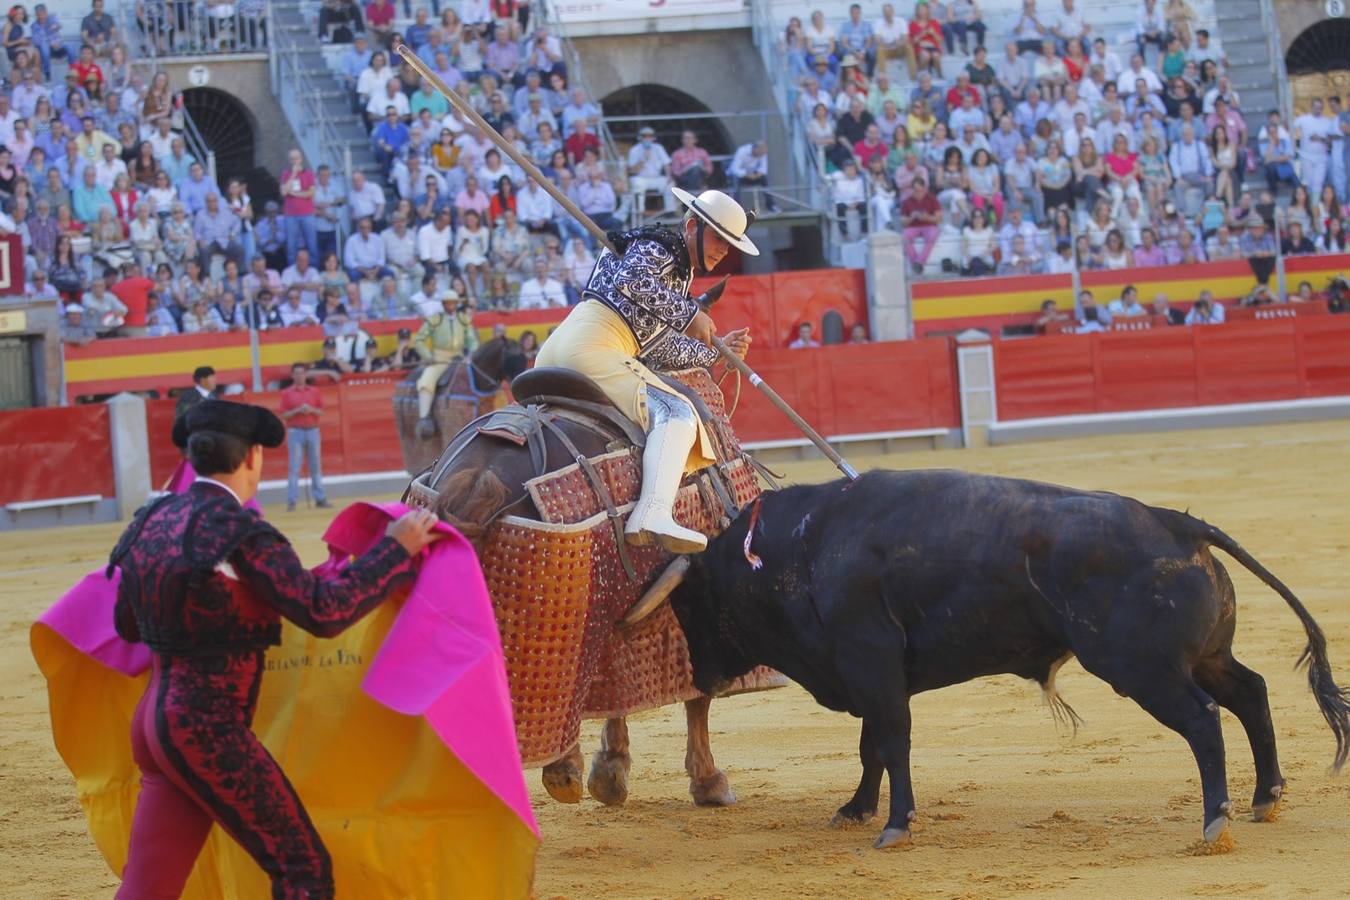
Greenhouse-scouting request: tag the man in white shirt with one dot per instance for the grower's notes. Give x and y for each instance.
(363, 254)
(892, 35)
(433, 242)
(393, 96)
(1014, 227)
(161, 142)
(1069, 25)
(365, 200)
(541, 291)
(304, 276)
(1107, 59)
(410, 178)
(427, 301)
(108, 167)
(1205, 47)
(1068, 106)
(750, 169)
(1135, 71)
(1313, 131)
(1150, 27)
(1127, 304)
(400, 248)
(849, 192)
(649, 170)
(534, 207)
(804, 339)
(1114, 124)
(295, 311)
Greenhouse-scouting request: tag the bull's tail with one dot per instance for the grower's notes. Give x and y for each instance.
(1332, 700)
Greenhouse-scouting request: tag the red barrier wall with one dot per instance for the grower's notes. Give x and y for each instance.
(1240, 362)
(845, 390)
(55, 452)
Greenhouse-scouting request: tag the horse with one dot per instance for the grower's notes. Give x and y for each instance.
(476, 483)
(466, 390)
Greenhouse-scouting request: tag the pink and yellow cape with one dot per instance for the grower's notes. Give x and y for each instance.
(397, 734)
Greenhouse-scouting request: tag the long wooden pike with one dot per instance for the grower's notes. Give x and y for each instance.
(527, 165)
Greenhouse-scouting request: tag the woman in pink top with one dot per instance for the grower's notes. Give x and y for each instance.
(1123, 174)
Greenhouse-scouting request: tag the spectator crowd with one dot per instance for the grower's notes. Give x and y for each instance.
(1043, 150)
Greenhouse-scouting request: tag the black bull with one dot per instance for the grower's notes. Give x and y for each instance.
(899, 583)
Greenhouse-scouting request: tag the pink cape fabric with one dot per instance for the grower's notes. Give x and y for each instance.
(441, 660)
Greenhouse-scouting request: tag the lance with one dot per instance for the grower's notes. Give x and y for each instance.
(529, 168)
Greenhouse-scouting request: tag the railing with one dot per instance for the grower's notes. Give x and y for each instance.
(1278, 71)
(160, 28)
(576, 76)
(301, 98)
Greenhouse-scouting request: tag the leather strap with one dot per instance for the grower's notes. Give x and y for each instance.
(601, 491)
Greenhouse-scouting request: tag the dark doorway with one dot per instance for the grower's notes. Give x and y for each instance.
(659, 100)
(1321, 48)
(227, 128)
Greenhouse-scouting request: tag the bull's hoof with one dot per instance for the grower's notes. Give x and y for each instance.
(608, 782)
(1268, 810)
(712, 791)
(426, 428)
(893, 837)
(562, 779)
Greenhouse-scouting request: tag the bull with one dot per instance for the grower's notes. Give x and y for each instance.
(901, 582)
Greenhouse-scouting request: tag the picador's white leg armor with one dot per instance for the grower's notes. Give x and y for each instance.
(674, 428)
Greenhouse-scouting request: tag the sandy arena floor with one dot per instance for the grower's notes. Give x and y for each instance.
(1007, 806)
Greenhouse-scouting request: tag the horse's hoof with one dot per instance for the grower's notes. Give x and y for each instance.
(712, 791)
(426, 428)
(848, 817)
(893, 837)
(562, 779)
(608, 782)
(1216, 831)
(1268, 810)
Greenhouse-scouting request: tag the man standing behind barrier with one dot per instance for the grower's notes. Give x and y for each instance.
(301, 406)
(443, 337)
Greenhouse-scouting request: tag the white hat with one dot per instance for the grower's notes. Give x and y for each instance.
(449, 295)
(74, 307)
(724, 214)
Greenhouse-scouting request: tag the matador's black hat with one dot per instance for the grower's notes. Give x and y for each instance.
(254, 424)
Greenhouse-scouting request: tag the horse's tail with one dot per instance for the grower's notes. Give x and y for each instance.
(469, 500)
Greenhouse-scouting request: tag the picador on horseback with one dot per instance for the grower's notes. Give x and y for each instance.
(636, 315)
(444, 337)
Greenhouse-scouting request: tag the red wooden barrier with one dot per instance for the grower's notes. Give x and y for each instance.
(55, 452)
(1240, 362)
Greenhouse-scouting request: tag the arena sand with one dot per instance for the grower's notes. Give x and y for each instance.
(1007, 805)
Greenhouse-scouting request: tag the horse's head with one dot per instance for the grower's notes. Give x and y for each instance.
(500, 359)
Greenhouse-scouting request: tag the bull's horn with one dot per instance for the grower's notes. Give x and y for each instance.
(666, 582)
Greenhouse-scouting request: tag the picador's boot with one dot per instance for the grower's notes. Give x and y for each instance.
(426, 425)
(673, 432)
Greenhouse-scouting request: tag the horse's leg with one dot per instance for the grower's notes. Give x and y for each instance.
(609, 768)
(562, 778)
(707, 784)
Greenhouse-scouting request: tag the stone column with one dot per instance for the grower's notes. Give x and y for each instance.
(888, 307)
(975, 377)
(130, 442)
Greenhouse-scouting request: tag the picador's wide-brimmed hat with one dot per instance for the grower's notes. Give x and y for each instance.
(253, 424)
(724, 214)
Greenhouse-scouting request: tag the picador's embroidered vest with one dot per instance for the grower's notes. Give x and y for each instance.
(648, 287)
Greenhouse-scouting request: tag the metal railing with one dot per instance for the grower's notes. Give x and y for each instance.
(161, 28)
(302, 99)
(1270, 24)
(546, 11)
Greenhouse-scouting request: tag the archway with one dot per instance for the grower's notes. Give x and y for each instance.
(227, 128)
(659, 100)
(1318, 62)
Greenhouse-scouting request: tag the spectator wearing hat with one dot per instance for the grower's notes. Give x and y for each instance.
(1258, 246)
(444, 337)
(74, 329)
(301, 408)
(649, 169)
(405, 355)
(203, 388)
(331, 364)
